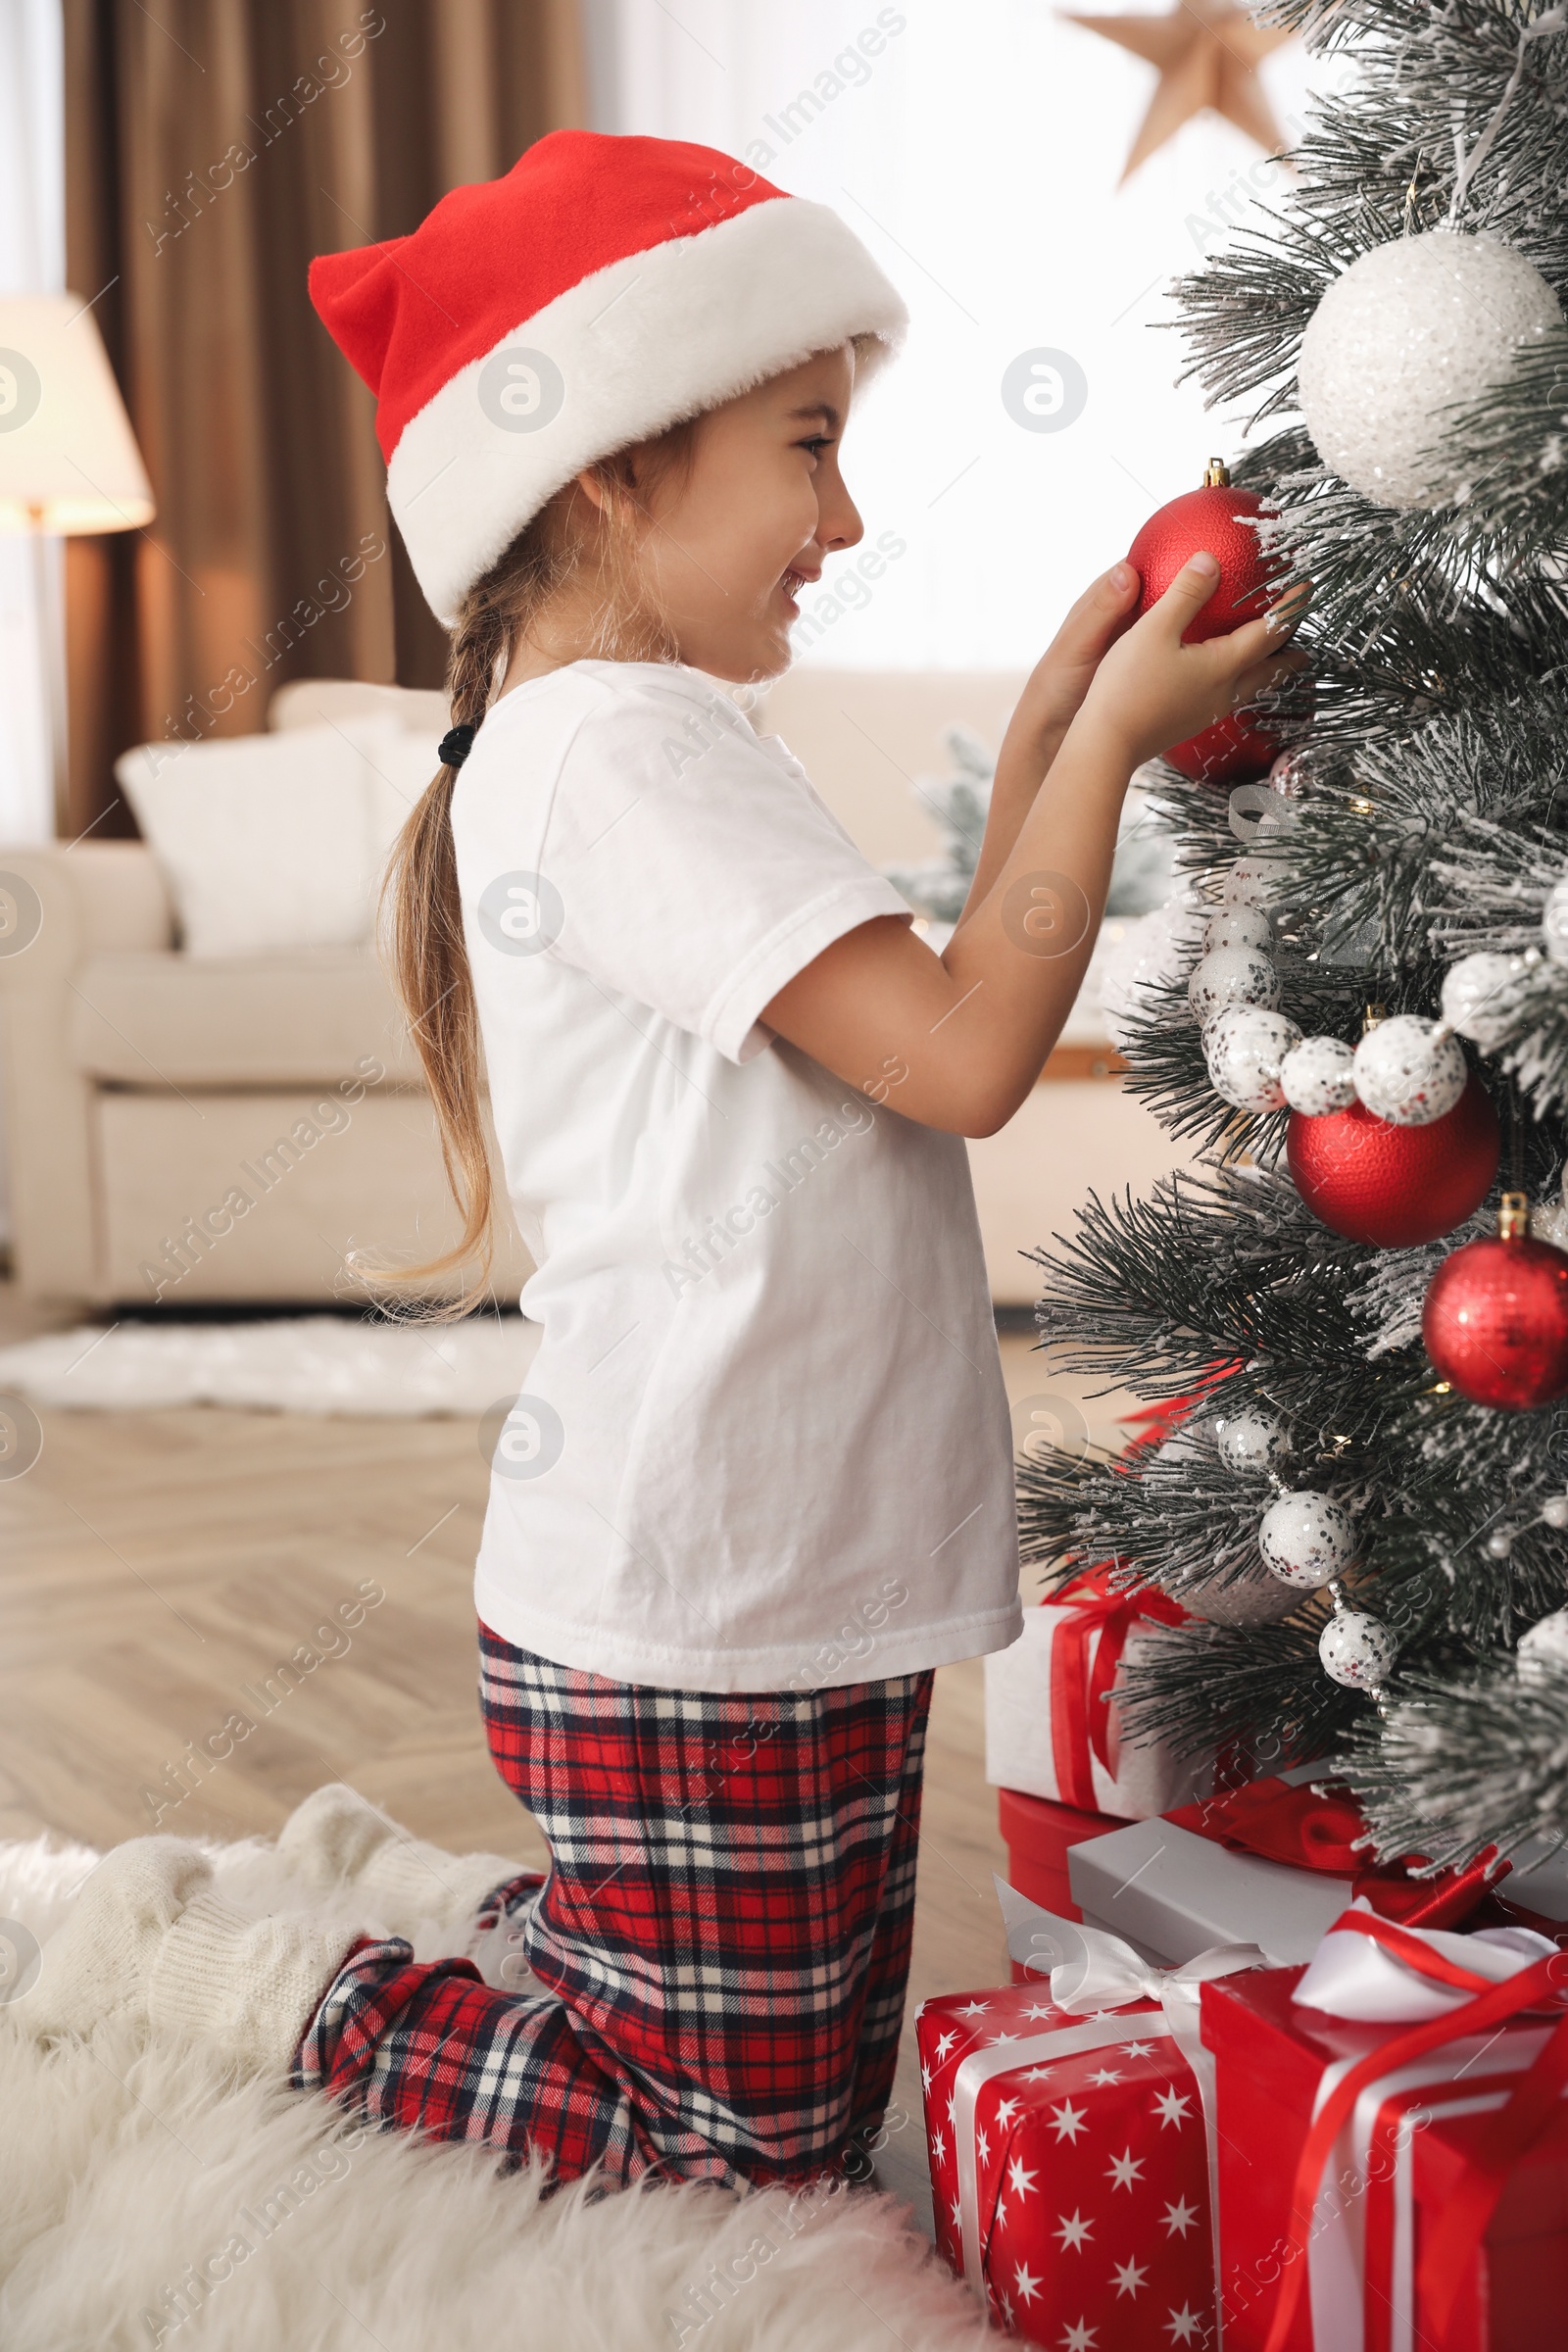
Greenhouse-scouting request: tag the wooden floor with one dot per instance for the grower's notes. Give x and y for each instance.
(155, 1569)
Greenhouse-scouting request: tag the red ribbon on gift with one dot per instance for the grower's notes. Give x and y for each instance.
(1286, 1824)
(1080, 1713)
(1447, 2261)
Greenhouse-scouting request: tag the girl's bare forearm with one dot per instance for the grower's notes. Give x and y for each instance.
(1022, 765)
(1020, 957)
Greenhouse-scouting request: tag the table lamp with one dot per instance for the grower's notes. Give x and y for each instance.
(69, 460)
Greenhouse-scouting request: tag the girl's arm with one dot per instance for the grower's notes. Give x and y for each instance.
(957, 1041)
(1046, 708)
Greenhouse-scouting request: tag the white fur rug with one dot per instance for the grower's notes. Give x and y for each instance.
(295, 1364)
(146, 2201)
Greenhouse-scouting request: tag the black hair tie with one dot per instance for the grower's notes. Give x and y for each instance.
(456, 745)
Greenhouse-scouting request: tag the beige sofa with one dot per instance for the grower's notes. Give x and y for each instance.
(142, 1088)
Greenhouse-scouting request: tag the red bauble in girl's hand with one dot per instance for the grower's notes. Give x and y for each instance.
(1396, 1187)
(1496, 1321)
(1234, 749)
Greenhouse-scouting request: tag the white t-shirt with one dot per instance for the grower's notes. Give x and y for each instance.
(764, 1441)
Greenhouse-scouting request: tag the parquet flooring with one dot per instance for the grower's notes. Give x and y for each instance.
(157, 1568)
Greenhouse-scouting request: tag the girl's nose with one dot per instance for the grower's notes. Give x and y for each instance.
(840, 524)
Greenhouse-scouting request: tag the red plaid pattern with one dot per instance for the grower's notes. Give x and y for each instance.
(721, 1949)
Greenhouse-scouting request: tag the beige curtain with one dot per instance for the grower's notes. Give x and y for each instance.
(213, 146)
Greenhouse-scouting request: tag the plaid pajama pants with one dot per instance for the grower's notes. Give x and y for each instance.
(719, 1951)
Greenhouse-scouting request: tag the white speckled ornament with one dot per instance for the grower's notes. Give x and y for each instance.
(1408, 1073)
(1244, 1048)
(1479, 996)
(1356, 1649)
(1231, 976)
(1251, 881)
(1315, 1077)
(1410, 328)
(1253, 1598)
(1550, 1224)
(1252, 1441)
(1147, 957)
(1307, 1539)
(1288, 775)
(1182, 1445)
(1555, 922)
(1543, 1646)
(1239, 927)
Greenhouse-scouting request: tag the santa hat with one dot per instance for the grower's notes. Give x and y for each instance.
(605, 288)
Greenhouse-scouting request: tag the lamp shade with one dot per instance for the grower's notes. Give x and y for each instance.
(69, 460)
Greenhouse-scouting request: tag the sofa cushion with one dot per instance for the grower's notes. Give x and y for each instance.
(276, 842)
(157, 1019)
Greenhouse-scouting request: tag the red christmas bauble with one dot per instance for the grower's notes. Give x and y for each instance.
(1495, 1323)
(1214, 518)
(1395, 1186)
(1234, 749)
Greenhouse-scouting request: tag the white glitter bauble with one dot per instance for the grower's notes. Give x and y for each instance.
(1554, 1510)
(1179, 1446)
(1555, 922)
(1407, 1074)
(1244, 1050)
(1147, 957)
(1412, 327)
(1306, 1539)
(1356, 1649)
(1231, 976)
(1479, 996)
(1252, 1441)
(1550, 1224)
(1543, 1647)
(1239, 927)
(1251, 881)
(1288, 775)
(1315, 1077)
(1253, 1598)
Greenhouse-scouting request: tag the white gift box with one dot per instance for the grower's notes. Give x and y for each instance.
(1039, 1719)
(1171, 1893)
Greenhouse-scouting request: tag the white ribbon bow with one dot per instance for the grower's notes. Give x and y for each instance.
(1352, 1975)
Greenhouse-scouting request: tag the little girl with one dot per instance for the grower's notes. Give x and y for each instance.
(759, 1484)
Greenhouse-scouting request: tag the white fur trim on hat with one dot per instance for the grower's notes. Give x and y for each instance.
(654, 338)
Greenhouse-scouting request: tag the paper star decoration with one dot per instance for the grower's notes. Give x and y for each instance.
(1207, 53)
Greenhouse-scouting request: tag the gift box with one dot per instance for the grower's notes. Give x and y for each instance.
(1053, 1727)
(1171, 1893)
(1071, 2156)
(1275, 1863)
(1392, 2143)
(1038, 1834)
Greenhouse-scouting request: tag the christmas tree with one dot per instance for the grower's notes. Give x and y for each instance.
(1366, 1505)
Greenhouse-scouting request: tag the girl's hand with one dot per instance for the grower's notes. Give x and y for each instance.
(1064, 671)
(1150, 690)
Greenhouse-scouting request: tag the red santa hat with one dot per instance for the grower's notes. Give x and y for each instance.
(605, 288)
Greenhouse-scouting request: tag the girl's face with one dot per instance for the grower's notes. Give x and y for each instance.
(761, 506)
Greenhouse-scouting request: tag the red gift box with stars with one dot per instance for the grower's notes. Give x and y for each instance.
(1070, 2169)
